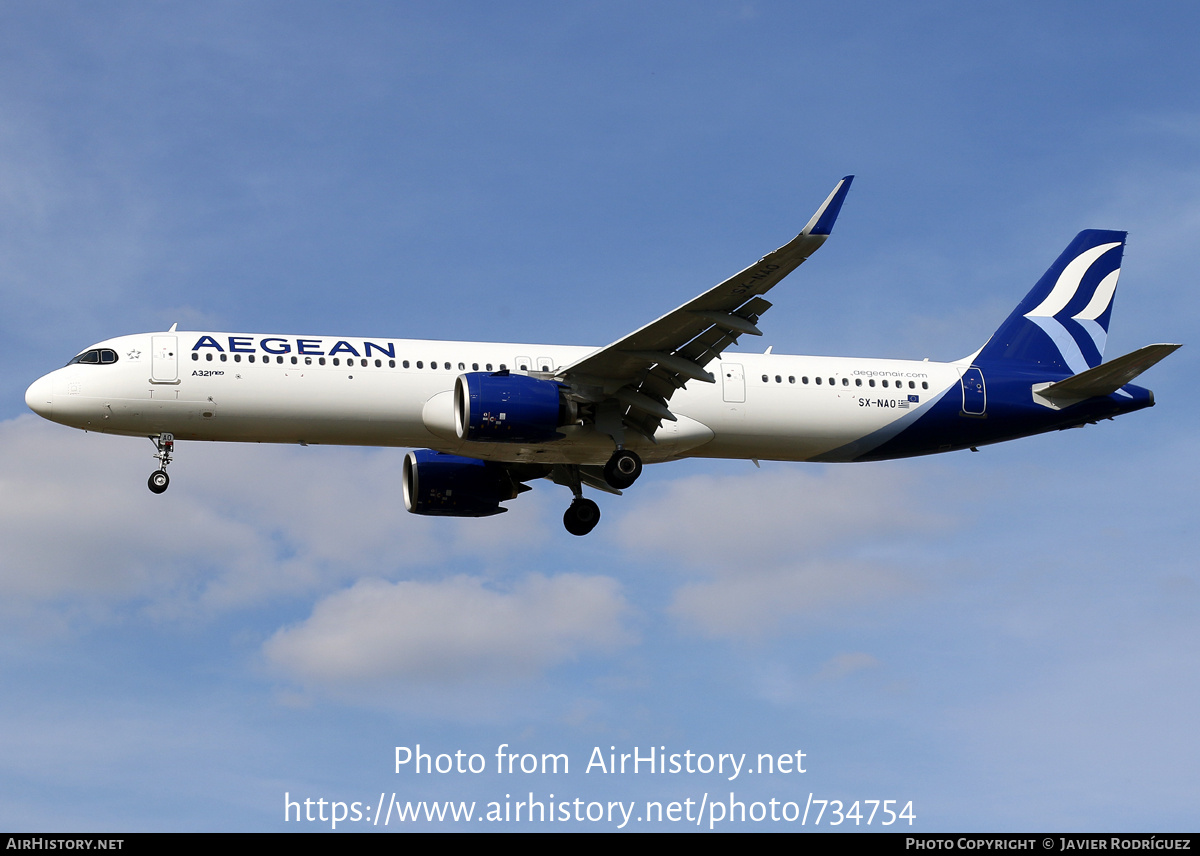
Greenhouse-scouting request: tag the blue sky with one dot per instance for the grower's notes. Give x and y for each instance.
(1007, 639)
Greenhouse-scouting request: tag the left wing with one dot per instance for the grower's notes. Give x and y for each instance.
(638, 374)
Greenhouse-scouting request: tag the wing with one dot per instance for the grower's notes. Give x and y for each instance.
(639, 373)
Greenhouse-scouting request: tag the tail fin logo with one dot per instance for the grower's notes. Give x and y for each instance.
(1062, 324)
(1080, 337)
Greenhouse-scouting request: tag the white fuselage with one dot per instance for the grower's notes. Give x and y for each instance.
(398, 392)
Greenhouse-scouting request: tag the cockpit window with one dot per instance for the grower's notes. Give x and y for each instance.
(96, 356)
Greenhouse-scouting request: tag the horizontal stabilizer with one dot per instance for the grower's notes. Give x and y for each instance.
(1104, 379)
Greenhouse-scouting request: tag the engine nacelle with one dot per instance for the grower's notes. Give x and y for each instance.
(507, 408)
(451, 486)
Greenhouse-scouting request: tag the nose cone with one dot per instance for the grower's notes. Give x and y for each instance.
(40, 397)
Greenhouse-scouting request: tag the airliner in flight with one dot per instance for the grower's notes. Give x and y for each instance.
(487, 418)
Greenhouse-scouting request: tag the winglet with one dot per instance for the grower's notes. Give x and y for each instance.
(822, 222)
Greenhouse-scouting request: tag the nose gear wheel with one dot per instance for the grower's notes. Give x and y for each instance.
(159, 480)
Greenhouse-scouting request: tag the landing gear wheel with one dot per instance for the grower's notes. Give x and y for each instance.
(582, 517)
(164, 445)
(622, 469)
(158, 481)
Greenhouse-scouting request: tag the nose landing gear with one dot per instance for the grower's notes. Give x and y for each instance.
(159, 480)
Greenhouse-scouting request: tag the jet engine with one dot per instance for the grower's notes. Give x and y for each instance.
(452, 486)
(499, 407)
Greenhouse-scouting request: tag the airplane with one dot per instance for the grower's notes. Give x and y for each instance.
(488, 418)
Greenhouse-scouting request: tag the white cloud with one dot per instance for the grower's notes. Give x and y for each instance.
(242, 524)
(777, 544)
(458, 630)
(847, 663)
(758, 601)
(730, 522)
(76, 521)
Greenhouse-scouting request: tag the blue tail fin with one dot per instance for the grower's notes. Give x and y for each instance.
(1063, 322)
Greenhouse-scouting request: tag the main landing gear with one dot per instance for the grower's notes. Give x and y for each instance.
(582, 517)
(622, 469)
(620, 472)
(159, 480)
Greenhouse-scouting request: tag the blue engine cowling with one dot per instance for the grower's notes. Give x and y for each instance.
(506, 408)
(451, 486)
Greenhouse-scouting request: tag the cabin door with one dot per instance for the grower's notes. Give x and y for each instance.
(164, 359)
(733, 383)
(974, 392)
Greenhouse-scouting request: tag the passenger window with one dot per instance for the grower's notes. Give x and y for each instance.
(818, 380)
(474, 367)
(195, 356)
(765, 379)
